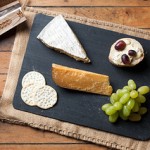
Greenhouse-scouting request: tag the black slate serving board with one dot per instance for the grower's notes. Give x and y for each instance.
(78, 107)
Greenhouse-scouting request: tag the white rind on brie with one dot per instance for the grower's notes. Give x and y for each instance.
(58, 35)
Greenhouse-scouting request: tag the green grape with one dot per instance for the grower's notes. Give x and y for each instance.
(123, 91)
(143, 90)
(131, 84)
(113, 118)
(105, 106)
(142, 110)
(135, 117)
(122, 116)
(133, 94)
(118, 105)
(139, 104)
(124, 99)
(130, 103)
(114, 98)
(141, 99)
(126, 111)
(119, 93)
(126, 103)
(136, 107)
(127, 88)
(110, 110)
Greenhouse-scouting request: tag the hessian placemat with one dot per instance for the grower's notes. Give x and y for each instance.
(11, 115)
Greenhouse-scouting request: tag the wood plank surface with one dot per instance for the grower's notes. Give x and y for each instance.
(126, 15)
(20, 137)
(7, 40)
(2, 84)
(88, 2)
(5, 58)
(22, 134)
(51, 147)
(5, 2)
(133, 13)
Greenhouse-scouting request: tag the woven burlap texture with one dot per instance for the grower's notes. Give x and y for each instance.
(11, 115)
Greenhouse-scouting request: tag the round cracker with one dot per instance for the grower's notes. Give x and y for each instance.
(33, 77)
(46, 97)
(28, 93)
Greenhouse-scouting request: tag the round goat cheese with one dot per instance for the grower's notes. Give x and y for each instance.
(126, 52)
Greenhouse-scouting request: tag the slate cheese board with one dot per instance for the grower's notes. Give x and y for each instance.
(79, 107)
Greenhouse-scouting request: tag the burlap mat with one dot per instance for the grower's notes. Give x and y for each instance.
(9, 114)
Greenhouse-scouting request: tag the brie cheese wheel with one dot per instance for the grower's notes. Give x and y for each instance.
(58, 35)
(131, 55)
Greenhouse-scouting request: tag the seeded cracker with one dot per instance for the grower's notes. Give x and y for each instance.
(33, 77)
(46, 97)
(28, 93)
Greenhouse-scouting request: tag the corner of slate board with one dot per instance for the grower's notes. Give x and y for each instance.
(78, 107)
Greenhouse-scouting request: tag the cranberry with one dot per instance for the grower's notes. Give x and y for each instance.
(132, 53)
(120, 45)
(125, 59)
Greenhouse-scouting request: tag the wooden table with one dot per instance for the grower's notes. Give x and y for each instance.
(132, 13)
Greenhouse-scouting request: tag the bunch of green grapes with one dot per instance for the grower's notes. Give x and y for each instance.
(126, 103)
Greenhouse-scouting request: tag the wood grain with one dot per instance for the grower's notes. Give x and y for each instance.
(5, 58)
(2, 84)
(126, 15)
(16, 137)
(51, 147)
(5, 2)
(7, 40)
(15, 134)
(88, 2)
(133, 13)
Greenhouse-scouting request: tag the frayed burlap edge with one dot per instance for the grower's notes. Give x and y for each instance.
(9, 114)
